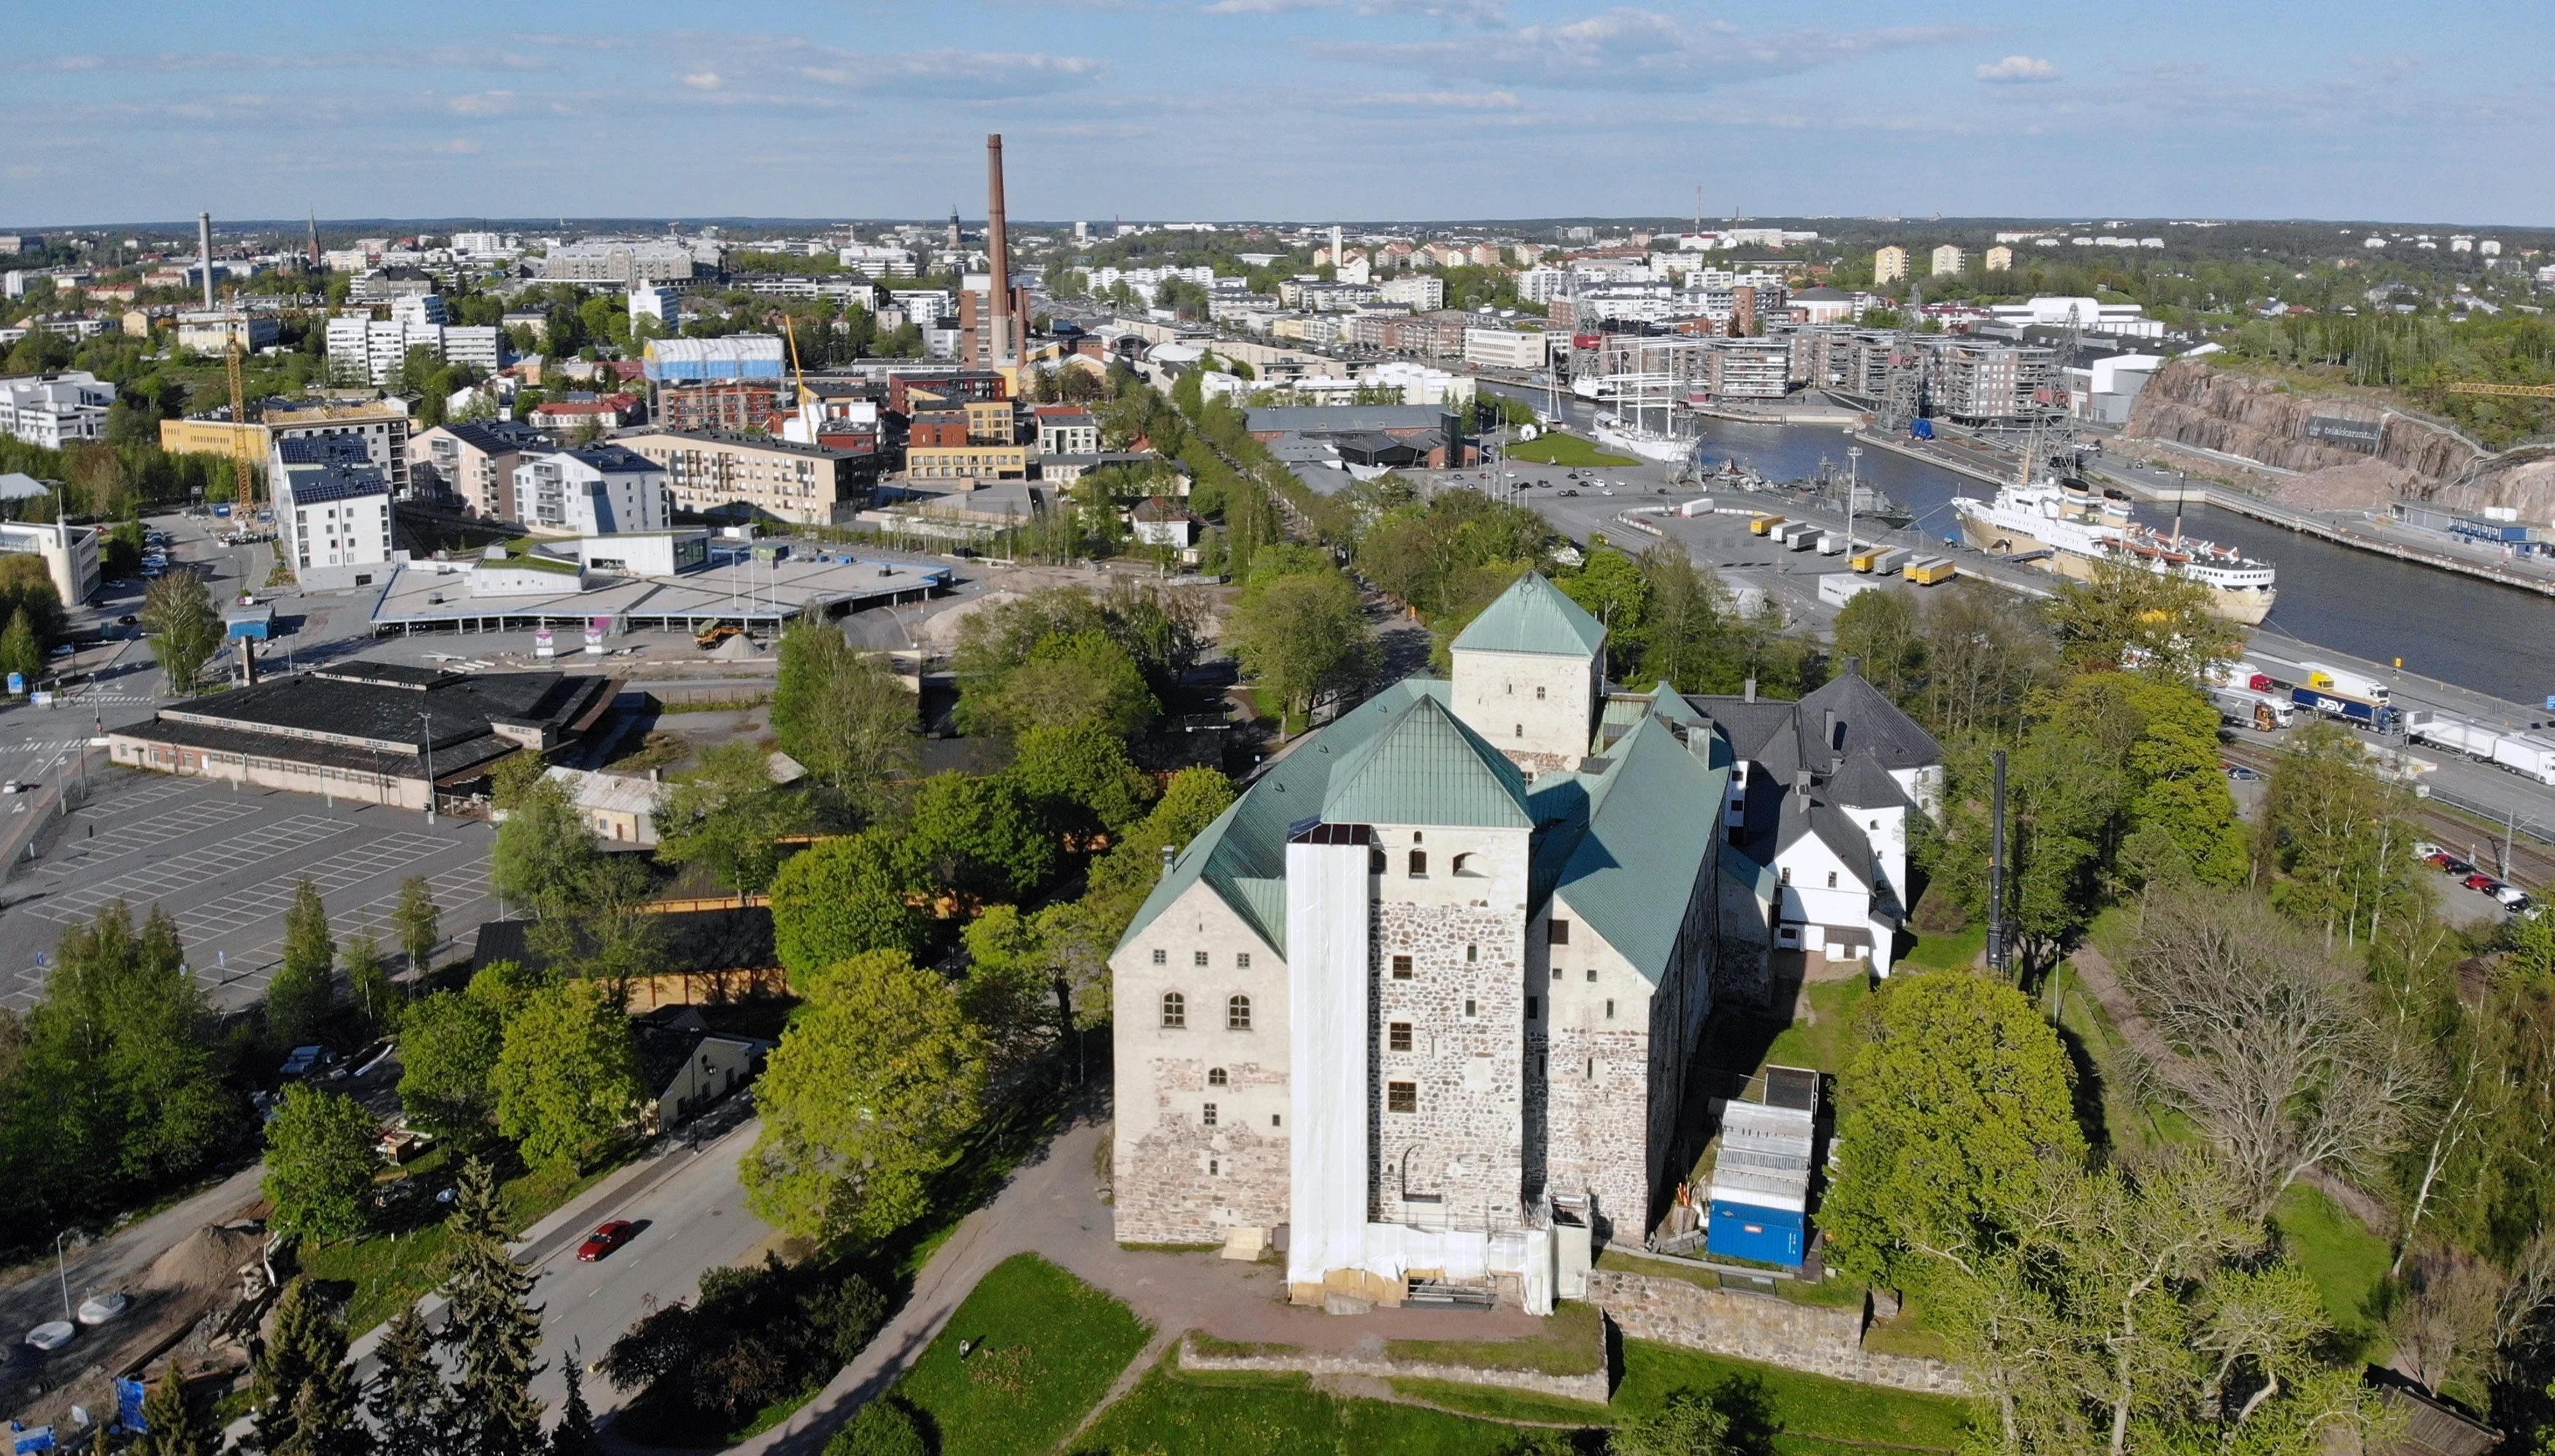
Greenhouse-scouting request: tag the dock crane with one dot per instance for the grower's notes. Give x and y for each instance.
(1903, 392)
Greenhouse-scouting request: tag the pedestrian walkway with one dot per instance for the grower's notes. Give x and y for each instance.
(1053, 1208)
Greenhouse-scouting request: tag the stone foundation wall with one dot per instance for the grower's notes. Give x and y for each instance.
(1591, 1387)
(1816, 1338)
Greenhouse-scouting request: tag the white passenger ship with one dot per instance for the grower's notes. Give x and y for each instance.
(2065, 529)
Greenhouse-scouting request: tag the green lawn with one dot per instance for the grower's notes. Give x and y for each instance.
(389, 1272)
(1947, 952)
(1565, 450)
(1799, 1405)
(1174, 1415)
(1050, 1346)
(1572, 1342)
(2347, 1261)
(1825, 1042)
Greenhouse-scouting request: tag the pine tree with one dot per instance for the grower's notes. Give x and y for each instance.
(493, 1329)
(283, 1367)
(325, 1422)
(574, 1435)
(170, 1426)
(407, 1400)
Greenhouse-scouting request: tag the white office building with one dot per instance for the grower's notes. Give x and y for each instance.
(54, 410)
(333, 507)
(419, 308)
(662, 305)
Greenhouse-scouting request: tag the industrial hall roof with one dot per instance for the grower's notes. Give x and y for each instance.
(1534, 616)
(391, 705)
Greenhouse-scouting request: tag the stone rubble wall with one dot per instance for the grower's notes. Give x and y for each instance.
(1591, 1387)
(1819, 1339)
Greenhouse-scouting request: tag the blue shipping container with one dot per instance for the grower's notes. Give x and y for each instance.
(1765, 1235)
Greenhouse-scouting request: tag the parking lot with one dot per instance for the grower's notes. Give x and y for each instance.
(225, 863)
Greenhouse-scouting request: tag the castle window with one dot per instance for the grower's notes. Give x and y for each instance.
(1609, 1008)
(1556, 973)
(1592, 1069)
(1464, 866)
(1215, 1077)
(1206, 1115)
(1876, 823)
(1272, 1119)
(1213, 1168)
(1374, 861)
(1472, 1008)
(1402, 968)
(1241, 961)
(1592, 975)
(1402, 1097)
(1397, 1036)
(1831, 879)
(1237, 1013)
(1520, 730)
(1531, 1008)
(1175, 1010)
(1198, 959)
(1162, 957)
(1471, 953)
(1539, 694)
(1419, 864)
(1559, 934)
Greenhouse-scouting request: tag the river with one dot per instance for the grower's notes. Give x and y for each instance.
(2487, 639)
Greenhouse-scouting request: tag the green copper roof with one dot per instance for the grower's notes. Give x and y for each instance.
(1533, 617)
(1652, 828)
(1427, 769)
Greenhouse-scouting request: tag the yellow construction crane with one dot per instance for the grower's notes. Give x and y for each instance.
(243, 452)
(2510, 391)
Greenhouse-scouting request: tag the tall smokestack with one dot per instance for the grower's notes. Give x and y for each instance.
(1005, 347)
(204, 252)
(1336, 259)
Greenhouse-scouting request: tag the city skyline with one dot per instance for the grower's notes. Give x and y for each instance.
(1215, 111)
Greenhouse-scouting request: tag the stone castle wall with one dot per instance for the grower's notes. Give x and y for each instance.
(1820, 1339)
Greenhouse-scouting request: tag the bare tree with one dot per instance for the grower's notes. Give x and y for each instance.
(2274, 1050)
(2447, 1319)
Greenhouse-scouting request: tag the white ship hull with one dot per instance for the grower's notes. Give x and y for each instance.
(2071, 549)
(1663, 449)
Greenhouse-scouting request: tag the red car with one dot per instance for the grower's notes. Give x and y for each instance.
(2483, 882)
(605, 1238)
(2439, 858)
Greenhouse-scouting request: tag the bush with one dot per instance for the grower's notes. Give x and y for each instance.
(761, 1334)
(884, 1427)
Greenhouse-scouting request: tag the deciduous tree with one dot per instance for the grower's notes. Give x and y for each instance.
(544, 860)
(844, 897)
(183, 629)
(1302, 637)
(567, 1080)
(981, 836)
(297, 1000)
(418, 923)
(846, 717)
(872, 1090)
(319, 1164)
(729, 816)
(450, 1043)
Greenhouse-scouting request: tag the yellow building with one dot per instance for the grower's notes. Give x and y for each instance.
(212, 437)
(1999, 259)
(1948, 259)
(993, 423)
(967, 462)
(1889, 265)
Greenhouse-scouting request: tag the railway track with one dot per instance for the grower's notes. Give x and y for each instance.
(2510, 852)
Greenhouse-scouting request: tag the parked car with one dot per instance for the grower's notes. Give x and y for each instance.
(1570, 492)
(128, 620)
(2424, 849)
(2513, 897)
(606, 1238)
(2239, 774)
(2438, 858)
(2458, 866)
(307, 1059)
(2483, 882)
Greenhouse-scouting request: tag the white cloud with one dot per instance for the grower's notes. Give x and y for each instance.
(1264, 7)
(1633, 50)
(2018, 69)
(1453, 100)
(704, 80)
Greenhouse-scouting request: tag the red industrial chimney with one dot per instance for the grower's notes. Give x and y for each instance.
(1005, 348)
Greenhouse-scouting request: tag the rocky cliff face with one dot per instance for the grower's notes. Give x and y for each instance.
(2191, 403)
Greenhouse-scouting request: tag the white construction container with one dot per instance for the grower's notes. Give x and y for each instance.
(1837, 589)
(2471, 739)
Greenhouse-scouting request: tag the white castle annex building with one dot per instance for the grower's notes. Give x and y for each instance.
(1421, 1006)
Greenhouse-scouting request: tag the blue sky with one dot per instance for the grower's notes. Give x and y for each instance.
(2426, 110)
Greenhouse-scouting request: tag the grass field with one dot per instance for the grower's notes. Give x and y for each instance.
(1174, 1415)
(388, 1274)
(1797, 1405)
(1825, 1042)
(1565, 450)
(1947, 952)
(2347, 1261)
(1048, 1348)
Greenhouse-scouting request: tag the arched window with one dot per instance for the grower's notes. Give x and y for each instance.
(1418, 864)
(1464, 865)
(1237, 1013)
(1175, 1009)
(1215, 1077)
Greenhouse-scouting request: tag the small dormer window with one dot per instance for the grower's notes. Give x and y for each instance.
(1831, 879)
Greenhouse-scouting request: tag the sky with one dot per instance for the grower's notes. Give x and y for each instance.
(1305, 110)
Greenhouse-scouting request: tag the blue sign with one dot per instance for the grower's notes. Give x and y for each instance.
(17, 684)
(39, 1439)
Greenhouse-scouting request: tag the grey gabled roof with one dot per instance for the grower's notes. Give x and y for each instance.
(1864, 784)
(1532, 616)
(1870, 723)
(1803, 815)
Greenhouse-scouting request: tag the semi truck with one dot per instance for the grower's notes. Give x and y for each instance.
(2246, 676)
(2359, 712)
(2344, 681)
(2471, 739)
(2525, 754)
(1927, 570)
(1764, 524)
(2246, 708)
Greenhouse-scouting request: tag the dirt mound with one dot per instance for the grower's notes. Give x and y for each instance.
(940, 630)
(207, 1260)
(737, 648)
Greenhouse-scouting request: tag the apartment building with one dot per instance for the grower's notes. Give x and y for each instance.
(1949, 259)
(1424, 293)
(595, 491)
(727, 473)
(1066, 429)
(1988, 381)
(624, 264)
(332, 504)
(473, 463)
(1889, 265)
